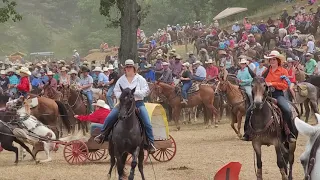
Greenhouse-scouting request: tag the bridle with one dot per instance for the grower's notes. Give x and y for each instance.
(312, 158)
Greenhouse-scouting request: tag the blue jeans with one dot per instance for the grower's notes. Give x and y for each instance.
(197, 78)
(186, 86)
(109, 96)
(89, 95)
(94, 126)
(113, 116)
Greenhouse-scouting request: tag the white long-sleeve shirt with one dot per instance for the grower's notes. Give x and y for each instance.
(138, 82)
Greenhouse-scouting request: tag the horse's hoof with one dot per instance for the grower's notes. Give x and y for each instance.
(239, 135)
(216, 126)
(109, 177)
(37, 161)
(178, 128)
(16, 163)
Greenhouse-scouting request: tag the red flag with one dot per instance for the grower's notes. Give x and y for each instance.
(230, 171)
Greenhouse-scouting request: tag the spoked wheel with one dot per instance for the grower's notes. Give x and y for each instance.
(166, 154)
(96, 155)
(75, 152)
(129, 158)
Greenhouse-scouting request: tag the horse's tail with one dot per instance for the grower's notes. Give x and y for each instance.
(64, 115)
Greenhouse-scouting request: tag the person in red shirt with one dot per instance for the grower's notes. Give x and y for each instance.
(292, 76)
(212, 70)
(24, 84)
(98, 116)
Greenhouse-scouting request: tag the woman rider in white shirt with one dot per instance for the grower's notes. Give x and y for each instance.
(130, 80)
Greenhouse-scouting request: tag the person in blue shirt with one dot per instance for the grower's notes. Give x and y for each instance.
(150, 74)
(13, 81)
(36, 82)
(255, 29)
(102, 78)
(236, 27)
(245, 79)
(44, 78)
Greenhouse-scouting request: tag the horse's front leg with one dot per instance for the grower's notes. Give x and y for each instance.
(176, 113)
(280, 161)
(134, 162)
(257, 149)
(307, 108)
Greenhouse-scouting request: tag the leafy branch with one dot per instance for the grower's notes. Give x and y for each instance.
(8, 11)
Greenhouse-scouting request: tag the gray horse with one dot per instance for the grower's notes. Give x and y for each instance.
(312, 97)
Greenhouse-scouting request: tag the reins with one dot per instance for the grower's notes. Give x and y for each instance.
(312, 158)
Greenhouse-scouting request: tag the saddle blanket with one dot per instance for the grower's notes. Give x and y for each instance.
(33, 102)
(302, 89)
(193, 89)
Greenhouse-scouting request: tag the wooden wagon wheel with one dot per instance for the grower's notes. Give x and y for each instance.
(96, 155)
(75, 152)
(166, 154)
(129, 158)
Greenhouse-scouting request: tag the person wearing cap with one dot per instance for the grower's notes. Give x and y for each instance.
(64, 78)
(74, 78)
(236, 27)
(97, 118)
(166, 76)
(143, 62)
(310, 45)
(102, 78)
(52, 81)
(292, 77)
(263, 27)
(245, 79)
(261, 68)
(113, 77)
(201, 72)
(4, 81)
(310, 64)
(24, 84)
(176, 66)
(13, 81)
(150, 74)
(36, 82)
(274, 77)
(85, 86)
(185, 78)
(212, 71)
(131, 80)
(192, 59)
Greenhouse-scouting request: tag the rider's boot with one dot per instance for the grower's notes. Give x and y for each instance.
(101, 137)
(151, 149)
(291, 138)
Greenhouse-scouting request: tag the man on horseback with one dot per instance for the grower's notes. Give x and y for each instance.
(130, 80)
(86, 85)
(273, 79)
(201, 73)
(245, 79)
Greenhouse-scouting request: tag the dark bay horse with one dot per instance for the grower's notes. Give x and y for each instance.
(266, 128)
(127, 136)
(75, 104)
(204, 96)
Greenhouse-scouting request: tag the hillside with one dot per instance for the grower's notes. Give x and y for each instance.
(61, 26)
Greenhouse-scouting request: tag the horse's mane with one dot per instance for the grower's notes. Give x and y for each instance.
(4, 99)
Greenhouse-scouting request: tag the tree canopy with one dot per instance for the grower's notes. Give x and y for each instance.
(8, 11)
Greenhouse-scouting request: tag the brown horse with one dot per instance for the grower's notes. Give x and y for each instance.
(236, 100)
(267, 127)
(75, 104)
(205, 96)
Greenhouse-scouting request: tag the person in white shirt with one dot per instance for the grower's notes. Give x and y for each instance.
(130, 80)
(261, 68)
(201, 72)
(310, 45)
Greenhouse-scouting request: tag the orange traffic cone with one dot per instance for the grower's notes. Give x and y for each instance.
(230, 171)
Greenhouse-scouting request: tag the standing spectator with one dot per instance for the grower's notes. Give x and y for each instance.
(113, 77)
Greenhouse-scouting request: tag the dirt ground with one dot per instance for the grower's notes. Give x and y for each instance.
(200, 154)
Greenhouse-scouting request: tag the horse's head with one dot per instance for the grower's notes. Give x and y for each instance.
(259, 89)
(15, 104)
(313, 133)
(127, 102)
(66, 91)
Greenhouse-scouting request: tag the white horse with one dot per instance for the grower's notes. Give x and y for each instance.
(313, 132)
(34, 126)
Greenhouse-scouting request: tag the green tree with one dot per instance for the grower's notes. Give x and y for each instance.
(129, 21)
(8, 11)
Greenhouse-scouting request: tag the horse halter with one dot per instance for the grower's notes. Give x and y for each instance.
(312, 158)
(265, 96)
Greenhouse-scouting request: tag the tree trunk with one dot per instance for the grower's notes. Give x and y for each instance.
(129, 23)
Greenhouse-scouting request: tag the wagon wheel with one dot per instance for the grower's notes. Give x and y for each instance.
(96, 155)
(166, 154)
(75, 152)
(129, 158)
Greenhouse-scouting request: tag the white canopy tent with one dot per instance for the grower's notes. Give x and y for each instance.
(228, 12)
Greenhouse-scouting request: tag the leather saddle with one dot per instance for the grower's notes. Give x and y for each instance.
(193, 89)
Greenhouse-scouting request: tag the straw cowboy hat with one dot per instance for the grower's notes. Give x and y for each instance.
(159, 51)
(73, 72)
(10, 70)
(165, 64)
(38, 64)
(148, 66)
(50, 73)
(25, 70)
(210, 61)
(110, 66)
(186, 64)
(44, 63)
(85, 62)
(129, 62)
(159, 56)
(178, 57)
(97, 69)
(243, 61)
(3, 72)
(64, 69)
(290, 59)
(276, 54)
(197, 62)
(105, 69)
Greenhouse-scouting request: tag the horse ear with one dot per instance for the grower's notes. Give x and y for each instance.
(304, 128)
(121, 88)
(133, 90)
(318, 117)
